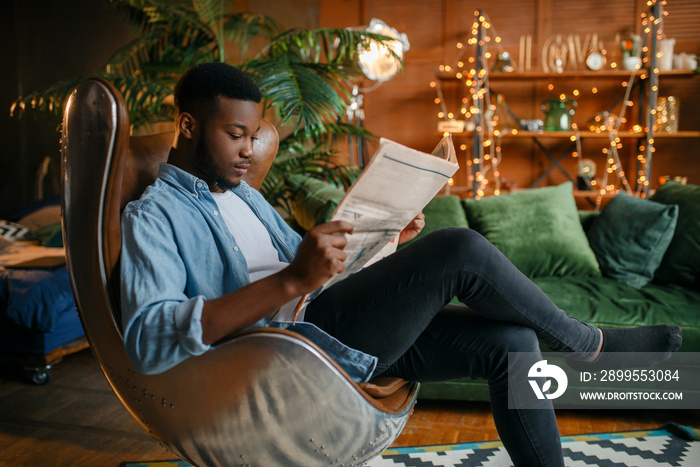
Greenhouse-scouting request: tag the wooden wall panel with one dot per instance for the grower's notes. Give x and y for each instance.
(403, 109)
(510, 19)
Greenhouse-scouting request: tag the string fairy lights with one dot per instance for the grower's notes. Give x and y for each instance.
(475, 103)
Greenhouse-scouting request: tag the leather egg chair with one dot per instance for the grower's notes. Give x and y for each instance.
(260, 398)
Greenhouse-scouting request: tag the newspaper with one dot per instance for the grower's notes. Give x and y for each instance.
(390, 192)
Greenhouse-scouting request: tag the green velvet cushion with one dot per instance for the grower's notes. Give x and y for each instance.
(538, 230)
(441, 211)
(313, 201)
(681, 263)
(630, 237)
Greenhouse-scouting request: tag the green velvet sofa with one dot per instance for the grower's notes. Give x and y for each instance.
(635, 262)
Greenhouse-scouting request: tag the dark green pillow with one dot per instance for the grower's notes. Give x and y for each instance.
(630, 237)
(587, 218)
(681, 263)
(441, 211)
(313, 201)
(538, 230)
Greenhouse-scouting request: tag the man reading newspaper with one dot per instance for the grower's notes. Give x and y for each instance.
(204, 256)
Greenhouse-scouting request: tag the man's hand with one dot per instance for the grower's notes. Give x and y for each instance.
(412, 229)
(320, 256)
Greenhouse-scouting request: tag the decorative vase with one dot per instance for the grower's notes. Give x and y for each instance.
(631, 63)
(667, 110)
(666, 46)
(558, 114)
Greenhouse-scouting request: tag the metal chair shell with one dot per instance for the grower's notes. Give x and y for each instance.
(262, 398)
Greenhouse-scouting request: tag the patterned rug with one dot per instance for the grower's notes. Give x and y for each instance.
(670, 445)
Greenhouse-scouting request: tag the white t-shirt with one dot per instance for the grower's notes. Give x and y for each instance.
(255, 243)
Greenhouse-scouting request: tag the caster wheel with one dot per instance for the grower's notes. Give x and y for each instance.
(41, 376)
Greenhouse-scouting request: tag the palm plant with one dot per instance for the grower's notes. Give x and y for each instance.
(303, 77)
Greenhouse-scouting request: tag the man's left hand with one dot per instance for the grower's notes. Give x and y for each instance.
(412, 229)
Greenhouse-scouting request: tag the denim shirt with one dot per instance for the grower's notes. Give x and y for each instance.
(177, 252)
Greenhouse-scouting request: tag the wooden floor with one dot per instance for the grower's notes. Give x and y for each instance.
(75, 420)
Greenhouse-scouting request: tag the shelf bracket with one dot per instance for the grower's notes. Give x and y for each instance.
(555, 162)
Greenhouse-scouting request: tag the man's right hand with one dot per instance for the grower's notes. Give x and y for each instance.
(320, 256)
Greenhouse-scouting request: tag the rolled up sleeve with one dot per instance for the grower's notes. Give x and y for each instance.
(162, 325)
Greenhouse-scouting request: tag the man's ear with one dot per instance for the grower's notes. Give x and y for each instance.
(186, 125)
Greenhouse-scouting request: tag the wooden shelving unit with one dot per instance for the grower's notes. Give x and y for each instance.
(584, 134)
(532, 75)
(647, 78)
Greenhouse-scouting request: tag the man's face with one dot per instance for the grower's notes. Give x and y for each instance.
(225, 146)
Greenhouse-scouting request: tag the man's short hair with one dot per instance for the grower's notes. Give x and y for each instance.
(199, 88)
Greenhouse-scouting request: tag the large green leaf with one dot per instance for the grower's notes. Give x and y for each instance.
(300, 91)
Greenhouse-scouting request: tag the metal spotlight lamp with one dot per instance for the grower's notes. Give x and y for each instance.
(379, 62)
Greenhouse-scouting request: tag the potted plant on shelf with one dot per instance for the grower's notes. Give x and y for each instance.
(304, 77)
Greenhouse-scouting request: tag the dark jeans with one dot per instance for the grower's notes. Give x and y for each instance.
(396, 310)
